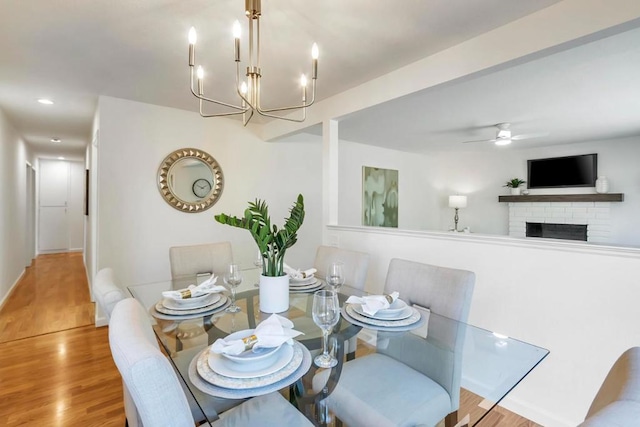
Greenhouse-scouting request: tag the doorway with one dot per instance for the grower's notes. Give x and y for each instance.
(30, 220)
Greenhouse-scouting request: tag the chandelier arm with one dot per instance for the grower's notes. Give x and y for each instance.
(204, 98)
(245, 121)
(274, 116)
(303, 105)
(240, 94)
(234, 113)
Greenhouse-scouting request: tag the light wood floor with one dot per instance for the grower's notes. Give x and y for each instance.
(56, 367)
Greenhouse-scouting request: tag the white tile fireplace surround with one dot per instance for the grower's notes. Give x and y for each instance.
(595, 215)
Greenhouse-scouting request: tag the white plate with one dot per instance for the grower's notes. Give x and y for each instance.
(318, 286)
(414, 318)
(209, 375)
(400, 314)
(305, 281)
(164, 310)
(249, 356)
(394, 309)
(300, 287)
(197, 302)
(230, 369)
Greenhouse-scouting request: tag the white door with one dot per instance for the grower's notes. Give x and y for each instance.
(54, 182)
(30, 224)
(54, 235)
(75, 212)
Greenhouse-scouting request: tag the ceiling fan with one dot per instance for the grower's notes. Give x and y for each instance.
(504, 136)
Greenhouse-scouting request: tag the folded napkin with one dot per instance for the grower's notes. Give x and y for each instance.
(371, 304)
(272, 332)
(297, 274)
(204, 288)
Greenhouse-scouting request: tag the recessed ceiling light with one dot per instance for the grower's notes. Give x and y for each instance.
(45, 101)
(60, 158)
(56, 140)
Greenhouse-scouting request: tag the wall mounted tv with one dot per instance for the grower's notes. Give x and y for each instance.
(558, 172)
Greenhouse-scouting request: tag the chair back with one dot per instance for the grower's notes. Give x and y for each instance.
(446, 292)
(618, 399)
(107, 290)
(195, 259)
(147, 374)
(355, 264)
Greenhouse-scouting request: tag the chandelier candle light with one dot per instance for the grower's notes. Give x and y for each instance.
(249, 90)
(457, 202)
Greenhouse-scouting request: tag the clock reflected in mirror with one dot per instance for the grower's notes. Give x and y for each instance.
(201, 187)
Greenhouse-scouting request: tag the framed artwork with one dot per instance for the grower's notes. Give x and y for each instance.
(379, 197)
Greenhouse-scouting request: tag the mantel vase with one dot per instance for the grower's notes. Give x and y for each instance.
(602, 185)
(515, 191)
(274, 294)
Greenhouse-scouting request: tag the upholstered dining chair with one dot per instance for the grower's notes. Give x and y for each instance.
(156, 389)
(356, 265)
(404, 363)
(107, 290)
(190, 260)
(617, 402)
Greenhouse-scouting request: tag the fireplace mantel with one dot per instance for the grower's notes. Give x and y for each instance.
(537, 198)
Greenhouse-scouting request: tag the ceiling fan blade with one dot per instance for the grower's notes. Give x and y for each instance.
(529, 136)
(479, 140)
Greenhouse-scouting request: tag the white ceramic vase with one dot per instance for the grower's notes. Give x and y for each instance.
(602, 184)
(274, 294)
(515, 191)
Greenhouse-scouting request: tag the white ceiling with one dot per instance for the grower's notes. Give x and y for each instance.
(72, 51)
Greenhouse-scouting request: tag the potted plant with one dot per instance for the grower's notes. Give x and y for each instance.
(273, 244)
(515, 184)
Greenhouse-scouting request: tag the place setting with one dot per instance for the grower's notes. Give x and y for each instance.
(302, 281)
(382, 312)
(251, 362)
(193, 301)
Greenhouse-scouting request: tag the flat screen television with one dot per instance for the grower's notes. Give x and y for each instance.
(558, 172)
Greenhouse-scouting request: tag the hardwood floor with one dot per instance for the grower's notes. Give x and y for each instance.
(55, 366)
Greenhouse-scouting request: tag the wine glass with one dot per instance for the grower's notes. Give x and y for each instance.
(258, 261)
(326, 313)
(335, 275)
(232, 279)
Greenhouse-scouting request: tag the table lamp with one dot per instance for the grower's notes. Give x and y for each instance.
(457, 202)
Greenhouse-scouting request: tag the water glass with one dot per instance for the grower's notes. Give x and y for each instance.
(232, 279)
(335, 275)
(326, 314)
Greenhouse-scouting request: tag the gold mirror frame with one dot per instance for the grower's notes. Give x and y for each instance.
(172, 199)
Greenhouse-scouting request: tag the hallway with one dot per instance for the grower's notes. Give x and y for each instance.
(55, 366)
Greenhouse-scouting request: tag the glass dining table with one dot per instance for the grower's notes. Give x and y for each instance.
(489, 365)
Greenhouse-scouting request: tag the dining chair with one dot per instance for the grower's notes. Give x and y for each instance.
(159, 394)
(423, 374)
(617, 402)
(356, 265)
(188, 261)
(107, 290)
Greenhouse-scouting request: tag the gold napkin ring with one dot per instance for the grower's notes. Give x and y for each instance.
(389, 299)
(249, 341)
(185, 294)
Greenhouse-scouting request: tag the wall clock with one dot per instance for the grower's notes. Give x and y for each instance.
(201, 187)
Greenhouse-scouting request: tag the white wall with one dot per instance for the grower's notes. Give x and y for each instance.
(136, 226)
(578, 302)
(427, 180)
(14, 156)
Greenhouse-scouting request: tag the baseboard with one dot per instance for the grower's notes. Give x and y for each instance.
(535, 414)
(6, 296)
(101, 320)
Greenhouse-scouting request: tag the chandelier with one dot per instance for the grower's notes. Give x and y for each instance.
(249, 90)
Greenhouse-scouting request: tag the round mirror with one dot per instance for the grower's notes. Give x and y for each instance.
(190, 180)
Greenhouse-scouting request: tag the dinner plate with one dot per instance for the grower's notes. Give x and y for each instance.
(305, 281)
(414, 318)
(307, 286)
(395, 308)
(395, 316)
(211, 376)
(249, 356)
(162, 309)
(226, 367)
(198, 302)
(318, 286)
(229, 393)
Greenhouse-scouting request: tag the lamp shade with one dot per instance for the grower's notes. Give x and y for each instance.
(457, 201)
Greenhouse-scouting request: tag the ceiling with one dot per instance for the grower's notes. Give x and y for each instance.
(73, 51)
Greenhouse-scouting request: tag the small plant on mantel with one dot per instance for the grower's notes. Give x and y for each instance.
(272, 242)
(514, 183)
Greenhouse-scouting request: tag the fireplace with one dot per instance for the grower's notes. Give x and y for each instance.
(557, 231)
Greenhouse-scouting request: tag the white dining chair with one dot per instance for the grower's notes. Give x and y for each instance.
(157, 391)
(411, 380)
(188, 261)
(617, 402)
(107, 290)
